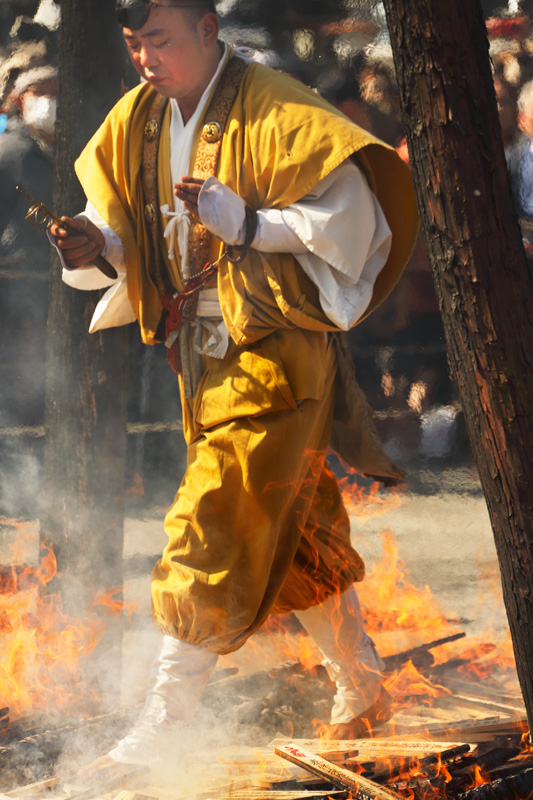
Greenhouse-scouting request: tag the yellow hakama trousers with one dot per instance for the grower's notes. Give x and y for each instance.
(258, 524)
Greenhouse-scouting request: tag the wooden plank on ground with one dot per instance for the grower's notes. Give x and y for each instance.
(127, 794)
(469, 728)
(31, 790)
(295, 794)
(359, 787)
(366, 749)
(485, 691)
(101, 782)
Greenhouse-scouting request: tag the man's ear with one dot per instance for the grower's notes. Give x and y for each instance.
(209, 28)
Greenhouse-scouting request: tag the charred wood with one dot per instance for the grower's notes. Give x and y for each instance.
(420, 656)
(34, 757)
(511, 788)
(444, 757)
(497, 757)
(360, 787)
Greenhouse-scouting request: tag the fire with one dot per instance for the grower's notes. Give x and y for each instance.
(408, 686)
(41, 648)
(398, 614)
(391, 602)
(364, 502)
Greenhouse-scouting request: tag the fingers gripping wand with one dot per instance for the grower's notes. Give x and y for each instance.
(39, 216)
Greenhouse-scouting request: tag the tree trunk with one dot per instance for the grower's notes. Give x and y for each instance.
(481, 276)
(86, 374)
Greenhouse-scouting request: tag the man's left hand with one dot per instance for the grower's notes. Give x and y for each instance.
(188, 191)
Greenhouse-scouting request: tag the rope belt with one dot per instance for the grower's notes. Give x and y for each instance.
(175, 305)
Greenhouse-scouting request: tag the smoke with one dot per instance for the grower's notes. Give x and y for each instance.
(20, 477)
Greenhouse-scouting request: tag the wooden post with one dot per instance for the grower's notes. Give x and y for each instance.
(483, 286)
(86, 374)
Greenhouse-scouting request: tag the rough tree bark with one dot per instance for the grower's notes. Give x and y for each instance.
(481, 275)
(86, 374)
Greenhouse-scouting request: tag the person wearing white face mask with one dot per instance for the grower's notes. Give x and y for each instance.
(26, 159)
(36, 95)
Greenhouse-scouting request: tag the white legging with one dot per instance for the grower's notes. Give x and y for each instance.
(350, 657)
(178, 676)
(180, 672)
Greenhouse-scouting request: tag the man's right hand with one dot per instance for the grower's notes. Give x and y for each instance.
(78, 249)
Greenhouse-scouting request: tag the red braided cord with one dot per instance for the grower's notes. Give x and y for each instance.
(175, 305)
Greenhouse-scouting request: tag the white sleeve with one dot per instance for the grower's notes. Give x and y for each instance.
(114, 307)
(348, 242)
(338, 234)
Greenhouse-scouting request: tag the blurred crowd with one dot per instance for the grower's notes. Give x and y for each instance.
(28, 92)
(401, 346)
(399, 350)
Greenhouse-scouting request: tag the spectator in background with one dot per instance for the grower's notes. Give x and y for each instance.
(366, 93)
(520, 155)
(379, 91)
(400, 349)
(516, 121)
(517, 146)
(26, 159)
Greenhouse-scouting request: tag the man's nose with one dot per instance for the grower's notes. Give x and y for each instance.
(147, 57)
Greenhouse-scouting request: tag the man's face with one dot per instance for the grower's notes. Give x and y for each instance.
(173, 49)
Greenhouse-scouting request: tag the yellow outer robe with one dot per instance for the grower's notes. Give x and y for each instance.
(258, 524)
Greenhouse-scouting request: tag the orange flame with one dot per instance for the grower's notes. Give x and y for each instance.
(398, 614)
(41, 648)
(408, 683)
(365, 501)
(391, 602)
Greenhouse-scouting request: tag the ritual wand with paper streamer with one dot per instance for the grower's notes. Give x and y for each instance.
(39, 216)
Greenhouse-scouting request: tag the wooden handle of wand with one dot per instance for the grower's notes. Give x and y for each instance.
(98, 261)
(47, 218)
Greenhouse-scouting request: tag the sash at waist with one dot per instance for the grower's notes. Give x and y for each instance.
(208, 303)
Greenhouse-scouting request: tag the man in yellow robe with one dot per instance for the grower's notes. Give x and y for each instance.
(319, 218)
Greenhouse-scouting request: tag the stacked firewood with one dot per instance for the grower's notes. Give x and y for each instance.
(395, 768)
(467, 737)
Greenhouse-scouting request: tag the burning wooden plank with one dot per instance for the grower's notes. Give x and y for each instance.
(407, 763)
(474, 730)
(360, 787)
(366, 749)
(418, 655)
(514, 786)
(295, 794)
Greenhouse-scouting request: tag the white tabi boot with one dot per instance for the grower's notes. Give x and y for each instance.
(179, 673)
(352, 662)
